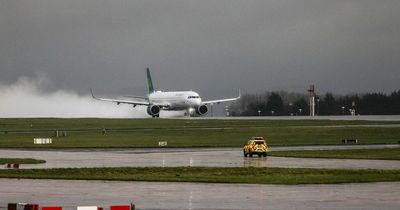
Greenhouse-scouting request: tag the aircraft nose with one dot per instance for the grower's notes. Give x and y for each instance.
(195, 102)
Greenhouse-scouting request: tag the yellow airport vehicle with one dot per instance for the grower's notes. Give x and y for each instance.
(255, 146)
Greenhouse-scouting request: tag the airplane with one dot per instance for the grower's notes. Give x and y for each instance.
(156, 101)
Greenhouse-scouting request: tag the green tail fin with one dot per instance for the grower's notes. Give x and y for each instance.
(149, 82)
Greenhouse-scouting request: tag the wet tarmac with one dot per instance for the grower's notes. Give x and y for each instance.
(155, 195)
(158, 195)
(214, 157)
(336, 117)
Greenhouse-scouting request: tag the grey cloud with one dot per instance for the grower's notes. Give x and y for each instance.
(213, 47)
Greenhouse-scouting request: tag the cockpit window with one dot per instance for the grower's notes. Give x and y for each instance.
(193, 97)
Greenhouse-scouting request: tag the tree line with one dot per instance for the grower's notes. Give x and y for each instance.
(284, 103)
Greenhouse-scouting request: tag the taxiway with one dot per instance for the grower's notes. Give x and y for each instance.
(208, 157)
(156, 195)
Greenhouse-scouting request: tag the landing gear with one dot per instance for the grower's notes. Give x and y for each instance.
(189, 114)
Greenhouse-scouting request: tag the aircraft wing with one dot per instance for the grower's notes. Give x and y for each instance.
(217, 101)
(118, 101)
(140, 97)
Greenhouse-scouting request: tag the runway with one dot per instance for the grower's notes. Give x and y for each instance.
(334, 117)
(155, 195)
(208, 157)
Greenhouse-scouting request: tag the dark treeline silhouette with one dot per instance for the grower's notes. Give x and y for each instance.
(283, 103)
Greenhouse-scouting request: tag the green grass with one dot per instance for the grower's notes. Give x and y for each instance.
(21, 160)
(377, 154)
(122, 133)
(211, 175)
(38, 124)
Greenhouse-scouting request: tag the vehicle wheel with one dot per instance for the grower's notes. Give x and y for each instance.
(244, 153)
(251, 154)
(265, 154)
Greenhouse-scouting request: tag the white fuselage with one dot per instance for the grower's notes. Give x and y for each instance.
(177, 100)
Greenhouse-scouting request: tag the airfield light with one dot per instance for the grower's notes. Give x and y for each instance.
(311, 91)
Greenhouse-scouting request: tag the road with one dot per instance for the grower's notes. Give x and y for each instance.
(213, 157)
(156, 195)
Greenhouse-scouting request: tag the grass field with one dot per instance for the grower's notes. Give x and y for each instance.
(19, 133)
(212, 175)
(20, 160)
(377, 154)
(122, 133)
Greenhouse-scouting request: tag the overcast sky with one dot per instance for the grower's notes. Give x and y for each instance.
(210, 46)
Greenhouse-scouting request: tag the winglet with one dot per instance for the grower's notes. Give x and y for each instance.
(91, 91)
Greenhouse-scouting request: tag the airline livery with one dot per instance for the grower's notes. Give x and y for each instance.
(156, 101)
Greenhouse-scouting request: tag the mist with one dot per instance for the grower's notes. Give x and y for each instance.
(30, 97)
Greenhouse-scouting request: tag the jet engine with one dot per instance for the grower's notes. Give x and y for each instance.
(153, 110)
(202, 110)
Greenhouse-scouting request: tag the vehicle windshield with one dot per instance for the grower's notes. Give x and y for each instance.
(259, 142)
